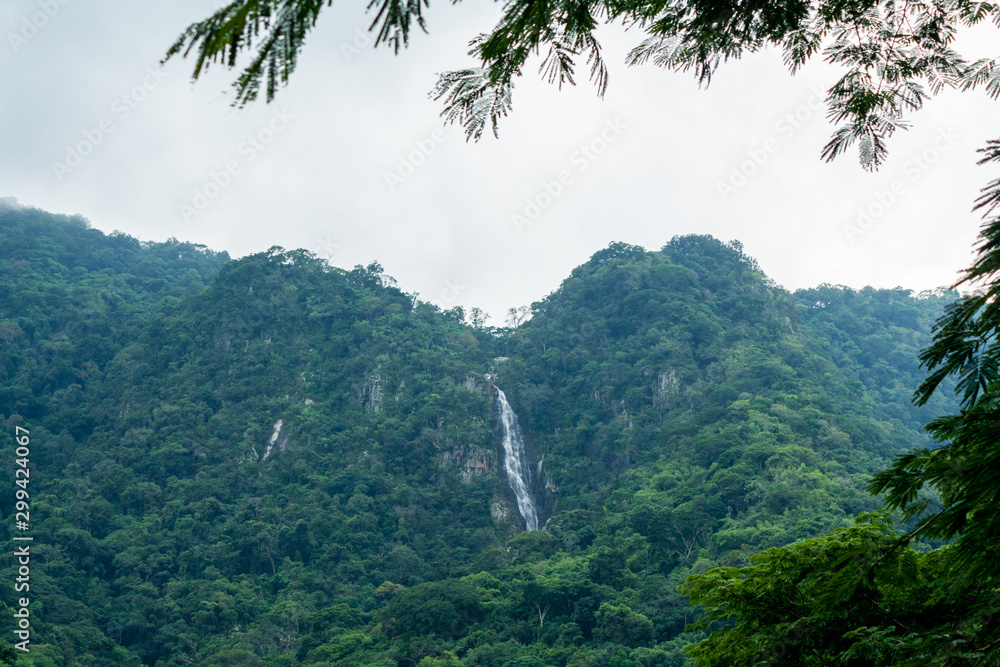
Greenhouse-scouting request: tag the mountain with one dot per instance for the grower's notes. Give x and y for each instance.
(272, 461)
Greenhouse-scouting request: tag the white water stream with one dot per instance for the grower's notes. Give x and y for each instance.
(515, 462)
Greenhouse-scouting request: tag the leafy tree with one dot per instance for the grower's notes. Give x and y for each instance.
(444, 608)
(864, 595)
(895, 55)
(965, 471)
(273, 459)
(853, 597)
(621, 625)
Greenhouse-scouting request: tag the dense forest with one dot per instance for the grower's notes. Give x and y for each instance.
(273, 461)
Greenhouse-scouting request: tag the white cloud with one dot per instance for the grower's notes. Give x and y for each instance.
(321, 184)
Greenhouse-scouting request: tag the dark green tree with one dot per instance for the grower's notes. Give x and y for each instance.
(865, 595)
(965, 470)
(895, 54)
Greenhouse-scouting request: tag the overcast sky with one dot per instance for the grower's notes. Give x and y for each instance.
(352, 161)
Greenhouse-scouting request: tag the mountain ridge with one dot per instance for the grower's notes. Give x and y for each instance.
(271, 461)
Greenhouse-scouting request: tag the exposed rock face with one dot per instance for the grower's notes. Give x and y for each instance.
(276, 440)
(473, 462)
(547, 483)
(551, 486)
(500, 511)
(479, 463)
(667, 384)
(371, 393)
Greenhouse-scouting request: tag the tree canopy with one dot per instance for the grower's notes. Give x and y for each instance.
(272, 461)
(894, 55)
(868, 595)
(913, 585)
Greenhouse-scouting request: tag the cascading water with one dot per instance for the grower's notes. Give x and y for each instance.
(515, 462)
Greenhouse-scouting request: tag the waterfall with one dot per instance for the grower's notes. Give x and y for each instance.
(515, 462)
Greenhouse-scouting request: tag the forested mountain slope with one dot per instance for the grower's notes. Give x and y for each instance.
(72, 297)
(275, 462)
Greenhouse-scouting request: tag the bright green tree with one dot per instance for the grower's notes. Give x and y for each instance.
(853, 597)
(965, 470)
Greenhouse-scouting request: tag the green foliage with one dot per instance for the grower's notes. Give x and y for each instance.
(273, 461)
(72, 298)
(444, 608)
(865, 595)
(895, 55)
(620, 625)
(852, 597)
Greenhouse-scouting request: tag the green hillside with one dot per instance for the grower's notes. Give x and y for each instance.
(271, 461)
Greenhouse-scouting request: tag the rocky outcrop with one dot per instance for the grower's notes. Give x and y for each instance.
(371, 393)
(472, 462)
(500, 511)
(277, 440)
